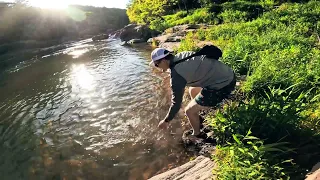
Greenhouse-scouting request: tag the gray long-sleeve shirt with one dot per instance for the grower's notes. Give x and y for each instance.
(198, 71)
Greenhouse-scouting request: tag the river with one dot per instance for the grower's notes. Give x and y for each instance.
(89, 111)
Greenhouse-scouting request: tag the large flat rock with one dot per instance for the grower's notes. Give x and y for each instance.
(171, 46)
(198, 169)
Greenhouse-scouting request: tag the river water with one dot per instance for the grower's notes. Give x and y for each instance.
(89, 111)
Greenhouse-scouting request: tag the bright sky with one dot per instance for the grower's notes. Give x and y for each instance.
(59, 4)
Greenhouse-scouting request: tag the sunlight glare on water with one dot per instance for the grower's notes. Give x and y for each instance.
(78, 53)
(81, 77)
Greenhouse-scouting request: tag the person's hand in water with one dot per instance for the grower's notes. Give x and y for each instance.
(163, 124)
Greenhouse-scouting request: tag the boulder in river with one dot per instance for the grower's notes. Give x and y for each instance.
(134, 41)
(131, 42)
(100, 37)
(133, 31)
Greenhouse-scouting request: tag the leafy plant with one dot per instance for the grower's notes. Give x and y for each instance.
(271, 118)
(245, 158)
(231, 16)
(188, 44)
(273, 132)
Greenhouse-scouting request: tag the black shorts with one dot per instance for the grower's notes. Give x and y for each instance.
(209, 97)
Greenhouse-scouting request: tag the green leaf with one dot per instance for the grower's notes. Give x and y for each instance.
(222, 119)
(236, 139)
(252, 173)
(250, 154)
(241, 150)
(249, 132)
(287, 161)
(243, 164)
(231, 152)
(251, 138)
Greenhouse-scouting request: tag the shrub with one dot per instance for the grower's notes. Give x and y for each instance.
(274, 120)
(231, 16)
(279, 53)
(188, 44)
(251, 9)
(246, 159)
(197, 16)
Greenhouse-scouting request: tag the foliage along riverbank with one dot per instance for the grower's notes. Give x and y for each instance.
(273, 132)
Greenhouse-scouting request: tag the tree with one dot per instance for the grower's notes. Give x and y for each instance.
(146, 11)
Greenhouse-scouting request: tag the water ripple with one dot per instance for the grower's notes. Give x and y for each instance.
(92, 108)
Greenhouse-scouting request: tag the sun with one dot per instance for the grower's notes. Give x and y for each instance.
(57, 4)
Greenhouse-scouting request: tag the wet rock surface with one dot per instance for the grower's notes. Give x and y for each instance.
(100, 37)
(133, 31)
(204, 145)
(170, 39)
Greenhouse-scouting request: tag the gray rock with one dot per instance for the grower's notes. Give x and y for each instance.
(134, 41)
(181, 28)
(174, 39)
(200, 169)
(171, 46)
(204, 147)
(133, 31)
(124, 43)
(150, 40)
(100, 37)
(115, 34)
(131, 42)
(171, 37)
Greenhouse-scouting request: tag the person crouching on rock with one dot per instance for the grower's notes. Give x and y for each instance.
(209, 81)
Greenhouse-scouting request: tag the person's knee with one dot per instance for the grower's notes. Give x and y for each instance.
(194, 91)
(189, 110)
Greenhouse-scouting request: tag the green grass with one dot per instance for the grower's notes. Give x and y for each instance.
(213, 14)
(265, 48)
(276, 119)
(197, 16)
(279, 51)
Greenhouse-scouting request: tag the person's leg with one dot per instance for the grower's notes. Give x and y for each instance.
(192, 112)
(194, 91)
(203, 99)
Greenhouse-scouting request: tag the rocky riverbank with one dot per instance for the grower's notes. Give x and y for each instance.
(169, 39)
(201, 167)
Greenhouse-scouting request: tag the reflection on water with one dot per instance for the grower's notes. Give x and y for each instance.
(81, 77)
(77, 53)
(87, 112)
